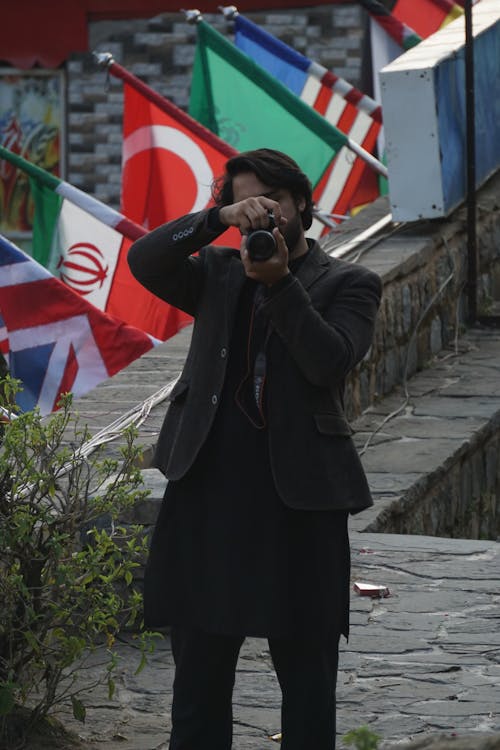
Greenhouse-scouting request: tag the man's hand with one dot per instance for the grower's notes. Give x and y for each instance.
(251, 213)
(269, 271)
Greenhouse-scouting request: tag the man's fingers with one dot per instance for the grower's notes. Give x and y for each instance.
(255, 213)
(280, 243)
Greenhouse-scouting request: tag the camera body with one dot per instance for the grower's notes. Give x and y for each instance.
(261, 244)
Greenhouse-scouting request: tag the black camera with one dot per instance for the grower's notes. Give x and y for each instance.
(261, 244)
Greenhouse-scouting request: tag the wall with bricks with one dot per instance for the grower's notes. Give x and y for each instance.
(160, 51)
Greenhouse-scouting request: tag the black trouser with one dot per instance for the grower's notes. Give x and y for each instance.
(204, 678)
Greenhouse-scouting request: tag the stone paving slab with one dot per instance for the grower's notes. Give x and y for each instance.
(425, 659)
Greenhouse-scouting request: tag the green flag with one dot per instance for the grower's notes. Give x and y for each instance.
(248, 108)
(47, 209)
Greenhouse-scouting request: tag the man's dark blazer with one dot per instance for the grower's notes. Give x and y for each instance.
(321, 323)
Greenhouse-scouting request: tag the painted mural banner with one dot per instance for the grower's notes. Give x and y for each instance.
(31, 125)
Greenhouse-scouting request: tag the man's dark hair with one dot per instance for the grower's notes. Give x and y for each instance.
(273, 168)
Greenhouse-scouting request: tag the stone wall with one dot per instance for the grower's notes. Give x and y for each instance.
(460, 500)
(160, 51)
(424, 270)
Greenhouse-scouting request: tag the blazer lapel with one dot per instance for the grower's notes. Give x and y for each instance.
(234, 283)
(315, 265)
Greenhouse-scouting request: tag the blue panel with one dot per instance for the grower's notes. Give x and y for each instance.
(450, 97)
(30, 366)
(281, 61)
(9, 253)
(487, 85)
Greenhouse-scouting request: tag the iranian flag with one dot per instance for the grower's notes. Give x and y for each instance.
(85, 244)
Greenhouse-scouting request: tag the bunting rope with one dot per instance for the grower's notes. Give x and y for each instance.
(135, 416)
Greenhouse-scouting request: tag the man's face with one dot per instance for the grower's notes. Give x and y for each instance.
(248, 185)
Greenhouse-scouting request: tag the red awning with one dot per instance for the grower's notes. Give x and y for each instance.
(46, 33)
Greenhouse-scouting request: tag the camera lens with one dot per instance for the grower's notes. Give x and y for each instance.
(260, 245)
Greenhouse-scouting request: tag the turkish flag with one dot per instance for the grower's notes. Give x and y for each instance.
(167, 167)
(167, 171)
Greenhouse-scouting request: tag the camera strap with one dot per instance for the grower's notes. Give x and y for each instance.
(259, 376)
(258, 335)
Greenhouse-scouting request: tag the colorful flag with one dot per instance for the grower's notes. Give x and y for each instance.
(239, 101)
(85, 243)
(400, 32)
(57, 341)
(426, 16)
(356, 115)
(306, 78)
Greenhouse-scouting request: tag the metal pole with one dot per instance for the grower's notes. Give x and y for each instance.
(471, 166)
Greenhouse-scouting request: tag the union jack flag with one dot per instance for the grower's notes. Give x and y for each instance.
(57, 341)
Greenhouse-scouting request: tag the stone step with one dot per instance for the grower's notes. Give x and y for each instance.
(431, 450)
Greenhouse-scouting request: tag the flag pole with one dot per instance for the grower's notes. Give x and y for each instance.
(105, 59)
(402, 34)
(86, 202)
(471, 165)
(194, 16)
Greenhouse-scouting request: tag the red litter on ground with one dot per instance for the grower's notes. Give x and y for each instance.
(371, 589)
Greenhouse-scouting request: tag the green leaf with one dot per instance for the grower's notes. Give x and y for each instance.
(142, 664)
(111, 688)
(362, 738)
(79, 711)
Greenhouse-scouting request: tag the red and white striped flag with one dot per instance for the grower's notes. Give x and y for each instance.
(344, 106)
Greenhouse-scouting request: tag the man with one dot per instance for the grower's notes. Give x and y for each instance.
(252, 536)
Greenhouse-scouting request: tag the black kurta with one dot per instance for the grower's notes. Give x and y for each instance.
(227, 555)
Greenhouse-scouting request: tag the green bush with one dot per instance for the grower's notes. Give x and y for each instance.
(362, 738)
(66, 563)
